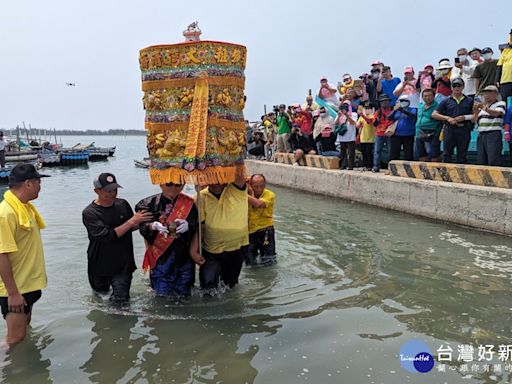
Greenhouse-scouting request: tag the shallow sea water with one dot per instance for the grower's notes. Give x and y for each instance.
(352, 285)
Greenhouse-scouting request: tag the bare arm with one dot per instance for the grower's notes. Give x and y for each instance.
(240, 177)
(257, 203)
(379, 86)
(436, 115)
(194, 248)
(399, 89)
(15, 301)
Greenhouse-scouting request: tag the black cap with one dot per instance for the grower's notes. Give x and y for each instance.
(106, 181)
(487, 50)
(367, 104)
(22, 172)
(384, 97)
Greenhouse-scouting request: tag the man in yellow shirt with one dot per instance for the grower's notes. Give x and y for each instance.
(504, 71)
(261, 223)
(22, 270)
(225, 234)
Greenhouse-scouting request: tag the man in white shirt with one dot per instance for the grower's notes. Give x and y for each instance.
(464, 68)
(2, 150)
(489, 116)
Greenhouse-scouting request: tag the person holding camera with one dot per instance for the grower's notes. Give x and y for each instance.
(403, 138)
(346, 128)
(366, 126)
(387, 84)
(258, 149)
(489, 116)
(299, 144)
(283, 128)
(381, 125)
(408, 87)
(327, 92)
(310, 106)
(464, 68)
(327, 142)
(426, 78)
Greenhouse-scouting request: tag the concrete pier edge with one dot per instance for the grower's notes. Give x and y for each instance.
(478, 207)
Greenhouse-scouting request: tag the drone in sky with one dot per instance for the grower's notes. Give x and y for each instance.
(71, 84)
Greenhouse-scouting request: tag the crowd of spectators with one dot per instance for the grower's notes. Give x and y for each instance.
(409, 116)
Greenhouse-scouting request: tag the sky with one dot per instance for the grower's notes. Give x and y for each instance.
(95, 44)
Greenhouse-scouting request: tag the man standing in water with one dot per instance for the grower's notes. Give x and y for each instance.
(110, 222)
(168, 240)
(224, 218)
(22, 269)
(261, 223)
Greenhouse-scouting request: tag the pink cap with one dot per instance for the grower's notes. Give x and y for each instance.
(376, 62)
(316, 112)
(409, 69)
(323, 78)
(428, 65)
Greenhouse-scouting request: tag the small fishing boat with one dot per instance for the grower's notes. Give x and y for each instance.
(4, 173)
(73, 156)
(48, 158)
(20, 156)
(96, 153)
(142, 163)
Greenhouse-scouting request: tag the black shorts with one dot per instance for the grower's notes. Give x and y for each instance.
(30, 298)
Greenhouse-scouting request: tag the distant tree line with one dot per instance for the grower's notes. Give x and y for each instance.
(95, 132)
(35, 132)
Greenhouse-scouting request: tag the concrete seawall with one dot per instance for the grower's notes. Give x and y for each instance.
(484, 208)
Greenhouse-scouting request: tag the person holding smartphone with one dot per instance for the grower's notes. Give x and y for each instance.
(407, 87)
(464, 68)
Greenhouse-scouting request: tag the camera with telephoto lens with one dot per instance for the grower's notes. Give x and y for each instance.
(275, 108)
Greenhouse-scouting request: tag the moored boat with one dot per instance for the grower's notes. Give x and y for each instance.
(142, 163)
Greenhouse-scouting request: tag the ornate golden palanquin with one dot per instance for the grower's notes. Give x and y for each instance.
(194, 98)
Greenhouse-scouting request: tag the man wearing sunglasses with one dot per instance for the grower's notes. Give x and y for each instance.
(456, 113)
(168, 236)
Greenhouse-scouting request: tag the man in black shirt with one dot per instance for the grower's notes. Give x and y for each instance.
(299, 144)
(110, 222)
(456, 113)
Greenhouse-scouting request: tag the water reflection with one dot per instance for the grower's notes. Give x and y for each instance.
(130, 348)
(115, 349)
(24, 363)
